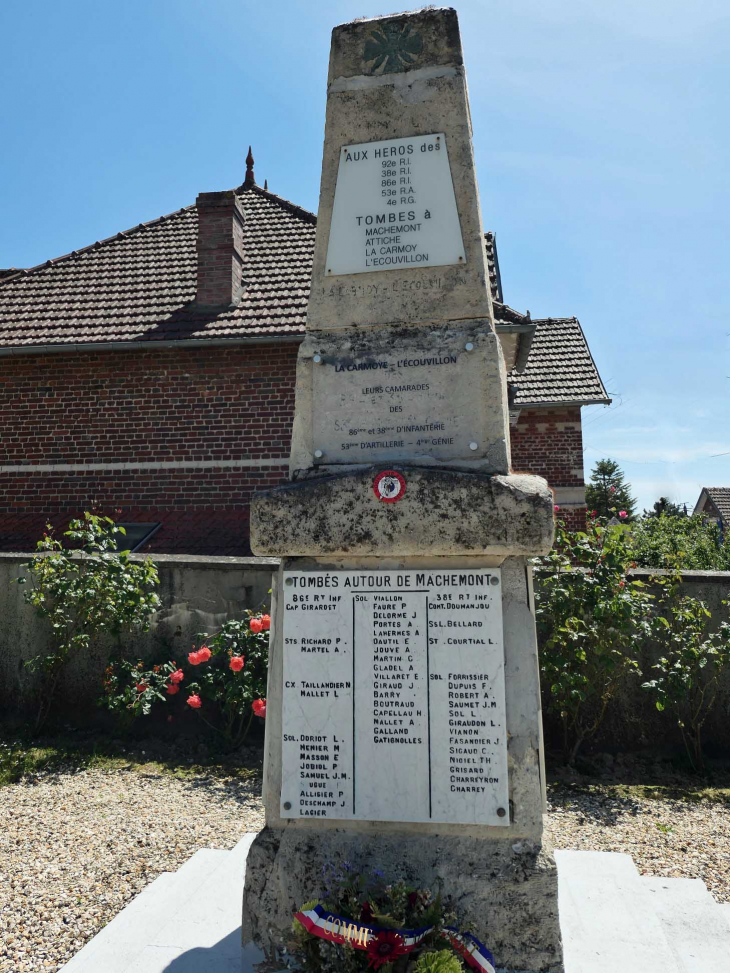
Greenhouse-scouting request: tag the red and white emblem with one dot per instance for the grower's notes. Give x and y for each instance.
(389, 486)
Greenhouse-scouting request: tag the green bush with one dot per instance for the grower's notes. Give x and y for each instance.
(686, 543)
(85, 587)
(688, 674)
(592, 620)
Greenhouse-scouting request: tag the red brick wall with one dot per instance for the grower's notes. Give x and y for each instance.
(171, 405)
(212, 406)
(549, 442)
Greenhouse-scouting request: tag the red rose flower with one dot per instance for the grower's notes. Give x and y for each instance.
(194, 658)
(386, 947)
(194, 701)
(256, 625)
(412, 899)
(141, 687)
(204, 653)
(172, 689)
(259, 707)
(366, 915)
(236, 663)
(266, 622)
(177, 676)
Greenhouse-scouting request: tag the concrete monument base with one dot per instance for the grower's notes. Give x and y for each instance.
(508, 888)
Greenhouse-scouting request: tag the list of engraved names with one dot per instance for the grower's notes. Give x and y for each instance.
(394, 696)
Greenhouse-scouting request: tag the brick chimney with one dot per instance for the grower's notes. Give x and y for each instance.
(220, 249)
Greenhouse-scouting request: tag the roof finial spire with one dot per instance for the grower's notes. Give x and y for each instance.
(266, 184)
(250, 179)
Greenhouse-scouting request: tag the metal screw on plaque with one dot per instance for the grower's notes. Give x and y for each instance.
(317, 359)
(473, 445)
(494, 580)
(287, 806)
(469, 346)
(318, 454)
(289, 581)
(500, 812)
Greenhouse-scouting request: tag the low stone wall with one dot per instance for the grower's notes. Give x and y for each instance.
(198, 594)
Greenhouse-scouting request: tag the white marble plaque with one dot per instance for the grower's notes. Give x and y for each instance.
(400, 402)
(393, 706)
(394, 208)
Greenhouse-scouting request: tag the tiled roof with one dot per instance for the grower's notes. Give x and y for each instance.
(495, 281)
(560, 367)
(140, 286)
(720, 496)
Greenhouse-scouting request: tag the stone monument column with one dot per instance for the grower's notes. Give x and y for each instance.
(403, 720)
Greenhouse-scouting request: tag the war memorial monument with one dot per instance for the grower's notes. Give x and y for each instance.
(404, 724)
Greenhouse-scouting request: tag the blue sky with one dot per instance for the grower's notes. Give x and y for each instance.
(601, 138)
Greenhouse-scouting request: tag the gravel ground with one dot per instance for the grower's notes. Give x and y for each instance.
(78, 844)
(76, 847)
(666, 836)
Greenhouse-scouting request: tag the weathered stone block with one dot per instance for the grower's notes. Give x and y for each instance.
(427, 396)
(444, 512)
(507, 888)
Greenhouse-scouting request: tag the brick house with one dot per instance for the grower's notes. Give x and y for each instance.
(153, 372)
(714, 504)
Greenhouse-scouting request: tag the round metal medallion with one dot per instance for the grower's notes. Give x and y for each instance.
(389, 486)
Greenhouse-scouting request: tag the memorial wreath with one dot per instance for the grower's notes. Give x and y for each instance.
(363, 923)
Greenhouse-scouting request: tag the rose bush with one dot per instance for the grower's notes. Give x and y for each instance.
(224, 679)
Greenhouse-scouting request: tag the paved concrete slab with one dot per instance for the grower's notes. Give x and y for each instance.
(693, 923)
(210, 912)
(611, 919)
(111, 949)
(725, 909)
(606, 918)
(197, 906)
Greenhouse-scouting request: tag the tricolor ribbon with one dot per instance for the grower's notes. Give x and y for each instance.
(325, 925)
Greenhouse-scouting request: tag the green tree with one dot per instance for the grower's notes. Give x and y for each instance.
(84, 588)
(608, 493)
(664, 507)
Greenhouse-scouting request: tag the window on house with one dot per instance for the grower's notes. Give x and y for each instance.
(136, 537)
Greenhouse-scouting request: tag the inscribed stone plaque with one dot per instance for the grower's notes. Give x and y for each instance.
(419, 399)
(394, 207)
(394, 696)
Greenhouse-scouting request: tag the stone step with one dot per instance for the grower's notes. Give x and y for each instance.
(607, 917)
(170, 896)
(694, 924)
